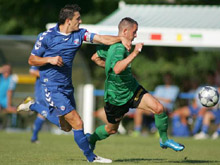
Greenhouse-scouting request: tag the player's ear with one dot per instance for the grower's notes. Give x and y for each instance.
(125, 31)
(68, 21)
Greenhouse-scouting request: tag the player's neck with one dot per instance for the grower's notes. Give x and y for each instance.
(64, 29)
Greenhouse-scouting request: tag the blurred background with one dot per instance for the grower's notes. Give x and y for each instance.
(189, 62)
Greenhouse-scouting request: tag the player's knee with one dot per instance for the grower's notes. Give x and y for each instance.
(159, 109)
(111, 131)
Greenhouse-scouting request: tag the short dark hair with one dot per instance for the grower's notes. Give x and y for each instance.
(67, 12)
(127, 21)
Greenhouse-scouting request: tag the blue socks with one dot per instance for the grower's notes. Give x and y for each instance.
(218, 130)
(82, 141)
(205, 129)
(37, 127)
(79, 136)
(198, 124)
(137, 128)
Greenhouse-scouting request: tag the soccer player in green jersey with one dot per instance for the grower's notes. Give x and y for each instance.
(122, 91)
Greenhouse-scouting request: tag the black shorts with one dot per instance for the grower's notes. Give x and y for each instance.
(115, 113)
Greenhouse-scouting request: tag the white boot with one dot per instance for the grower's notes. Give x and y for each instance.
(201, 135)
(215, 135)
(121, 129)
(99, 159)
(24, 106)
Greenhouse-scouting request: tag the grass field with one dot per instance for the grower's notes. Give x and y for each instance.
(15, 148)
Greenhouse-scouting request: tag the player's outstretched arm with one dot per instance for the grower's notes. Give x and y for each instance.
(109, 40)
(40, 61)
(123, 64)
(95, 58)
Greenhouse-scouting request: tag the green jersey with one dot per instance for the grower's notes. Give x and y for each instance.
(119, 88)
(102, 51)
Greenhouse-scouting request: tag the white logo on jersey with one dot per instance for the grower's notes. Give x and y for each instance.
(65, 39)
(44, 33)
(44, 113)
(41, 38)
(47, 94)
(48, 99)
(51, 104)
(45, 90)
(76, 41)
(37, 45)
(46, 80)
(62, 107)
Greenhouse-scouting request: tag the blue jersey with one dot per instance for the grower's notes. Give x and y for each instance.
(5, 85)
(54, 43)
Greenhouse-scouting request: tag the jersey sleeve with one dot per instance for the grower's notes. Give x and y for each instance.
(175, 91)
(118, 55)
(34, 68)
(12, 84)
(40, 46)
(102, 51)
(88, 37)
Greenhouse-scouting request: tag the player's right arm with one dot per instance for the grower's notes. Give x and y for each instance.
(37, 59)
(40, 61)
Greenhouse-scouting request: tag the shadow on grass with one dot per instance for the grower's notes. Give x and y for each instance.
(166, 161)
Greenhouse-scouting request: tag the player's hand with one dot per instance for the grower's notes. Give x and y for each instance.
(56, 61)
(11, 109)
(138, 47)
(126, 42)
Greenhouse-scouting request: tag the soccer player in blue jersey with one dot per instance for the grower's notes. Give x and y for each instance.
(54, 52)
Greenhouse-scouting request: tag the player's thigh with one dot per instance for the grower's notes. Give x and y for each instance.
(39, 115)
(209, 115)
(150, 103)
(202, 111)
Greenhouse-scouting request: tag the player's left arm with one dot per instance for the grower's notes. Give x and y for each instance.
(109, 40)
(99, 61)
(10, 92)
(9, 97)
(35, 73)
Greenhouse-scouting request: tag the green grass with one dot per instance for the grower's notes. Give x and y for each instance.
(15, 148)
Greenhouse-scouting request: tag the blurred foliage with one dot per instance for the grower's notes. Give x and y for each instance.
(30, 17)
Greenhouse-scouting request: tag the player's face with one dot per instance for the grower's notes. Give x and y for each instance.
(6, 70)
(75, 22)
(132, 32)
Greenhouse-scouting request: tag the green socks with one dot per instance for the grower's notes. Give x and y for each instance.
(99, 134)
(161, 122)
